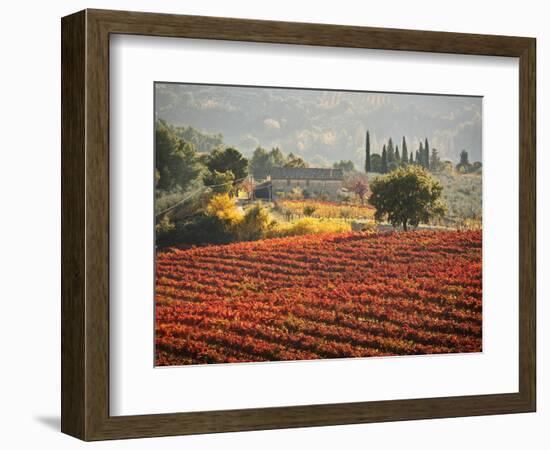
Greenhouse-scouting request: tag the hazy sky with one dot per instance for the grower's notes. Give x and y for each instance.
(324, 126)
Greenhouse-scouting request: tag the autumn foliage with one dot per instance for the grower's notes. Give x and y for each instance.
(338, 295)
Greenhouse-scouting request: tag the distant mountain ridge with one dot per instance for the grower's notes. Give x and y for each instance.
(323, 126)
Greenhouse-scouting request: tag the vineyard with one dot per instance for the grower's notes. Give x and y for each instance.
(338, 295)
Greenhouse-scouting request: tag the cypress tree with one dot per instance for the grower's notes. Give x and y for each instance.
(384, 160)
(427, 154)
(367, 154)
(420, 159)
(397, 155)
(411, 159)
(464, 160)
(390, 151)
(404, 156)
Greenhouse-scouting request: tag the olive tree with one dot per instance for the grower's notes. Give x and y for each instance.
(407, 196)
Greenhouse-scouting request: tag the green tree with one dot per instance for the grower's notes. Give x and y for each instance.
(411, 159)
(464, 159)
(376, 163)
(219, 182)
(464, 165)
(346, 166)
(293, 160)
(426, 154)
(177, 162)
(397, 155)
(404, 152)
(391, 151)
(229, 158)
(261, 163)
(277, 157)
(384, 167)
(407, 196)
(420, 155)
(367, 154)
(203, 142)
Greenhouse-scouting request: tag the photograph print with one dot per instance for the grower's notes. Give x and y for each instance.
(300, 224)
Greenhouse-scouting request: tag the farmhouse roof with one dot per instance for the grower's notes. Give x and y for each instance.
(310, 173)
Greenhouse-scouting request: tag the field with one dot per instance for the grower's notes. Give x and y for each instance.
(352, 294)
(325, 210)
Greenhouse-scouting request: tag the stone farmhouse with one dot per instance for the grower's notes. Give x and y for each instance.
(315, 181)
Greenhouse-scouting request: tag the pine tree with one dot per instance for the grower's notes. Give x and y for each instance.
(427, 154)
(384, 160)
(367, 154)
(411, 159)
(390, 151)
(404, 156)
(397, 155)
(420, 158)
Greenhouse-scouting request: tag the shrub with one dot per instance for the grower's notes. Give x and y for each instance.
(296, 193)
(164, 228)
(250, 226)
(216, 225)
(254, 224)
(222, 207)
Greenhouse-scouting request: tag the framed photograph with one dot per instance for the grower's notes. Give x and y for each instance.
(273, 225)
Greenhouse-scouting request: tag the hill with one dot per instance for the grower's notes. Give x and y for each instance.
(324, 126)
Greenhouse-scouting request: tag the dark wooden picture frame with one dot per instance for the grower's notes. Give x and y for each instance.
(85, 224)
